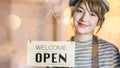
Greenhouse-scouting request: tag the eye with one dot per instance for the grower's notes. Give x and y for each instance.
(93, 14)
(79, 11)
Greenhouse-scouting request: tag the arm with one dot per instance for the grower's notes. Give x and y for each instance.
(117, 58)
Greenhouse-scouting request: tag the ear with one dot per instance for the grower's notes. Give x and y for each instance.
(98, 23)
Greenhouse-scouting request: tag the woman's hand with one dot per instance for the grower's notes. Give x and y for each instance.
(59, 6)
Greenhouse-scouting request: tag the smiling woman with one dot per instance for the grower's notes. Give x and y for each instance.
(87, 14)
(91, 51)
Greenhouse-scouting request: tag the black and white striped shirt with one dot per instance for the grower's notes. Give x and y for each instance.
(108, 54)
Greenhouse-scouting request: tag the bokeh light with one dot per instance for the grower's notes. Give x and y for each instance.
(12, 22)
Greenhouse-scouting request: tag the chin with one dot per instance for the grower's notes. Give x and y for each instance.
(83, 32)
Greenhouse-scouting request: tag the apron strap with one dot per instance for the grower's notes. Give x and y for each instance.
(95, 56)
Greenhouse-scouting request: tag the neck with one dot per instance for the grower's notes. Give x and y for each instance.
(83, 37)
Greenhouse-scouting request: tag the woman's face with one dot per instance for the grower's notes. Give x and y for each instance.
(84, 20)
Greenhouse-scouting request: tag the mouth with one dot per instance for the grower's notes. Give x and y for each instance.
(83, 25)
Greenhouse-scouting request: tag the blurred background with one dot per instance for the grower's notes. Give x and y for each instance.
(24, 20)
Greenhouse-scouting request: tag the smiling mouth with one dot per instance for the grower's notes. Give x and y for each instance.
(83, 25)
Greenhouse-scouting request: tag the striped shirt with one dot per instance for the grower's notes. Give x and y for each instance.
(109, 56)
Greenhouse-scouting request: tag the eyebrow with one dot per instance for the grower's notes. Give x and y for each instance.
(83, 8)
(80, 7)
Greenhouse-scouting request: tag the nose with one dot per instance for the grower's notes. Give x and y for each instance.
(84, 17)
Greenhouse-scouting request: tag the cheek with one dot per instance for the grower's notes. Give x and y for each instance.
(75, 18)
(94, 23)
(74, 22)
(94, 20)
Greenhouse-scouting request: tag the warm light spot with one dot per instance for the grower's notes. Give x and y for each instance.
(67, 15)
(12, 22)
(112, 24)
(66, 20)
(114, 3)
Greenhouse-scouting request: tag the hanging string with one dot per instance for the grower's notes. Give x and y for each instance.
(50, 11)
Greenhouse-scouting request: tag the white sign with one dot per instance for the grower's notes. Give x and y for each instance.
(51, 53)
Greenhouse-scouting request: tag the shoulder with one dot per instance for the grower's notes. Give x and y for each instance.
(101, 41)
(107, 45)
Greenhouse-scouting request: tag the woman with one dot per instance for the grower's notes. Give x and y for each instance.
(91, 51)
